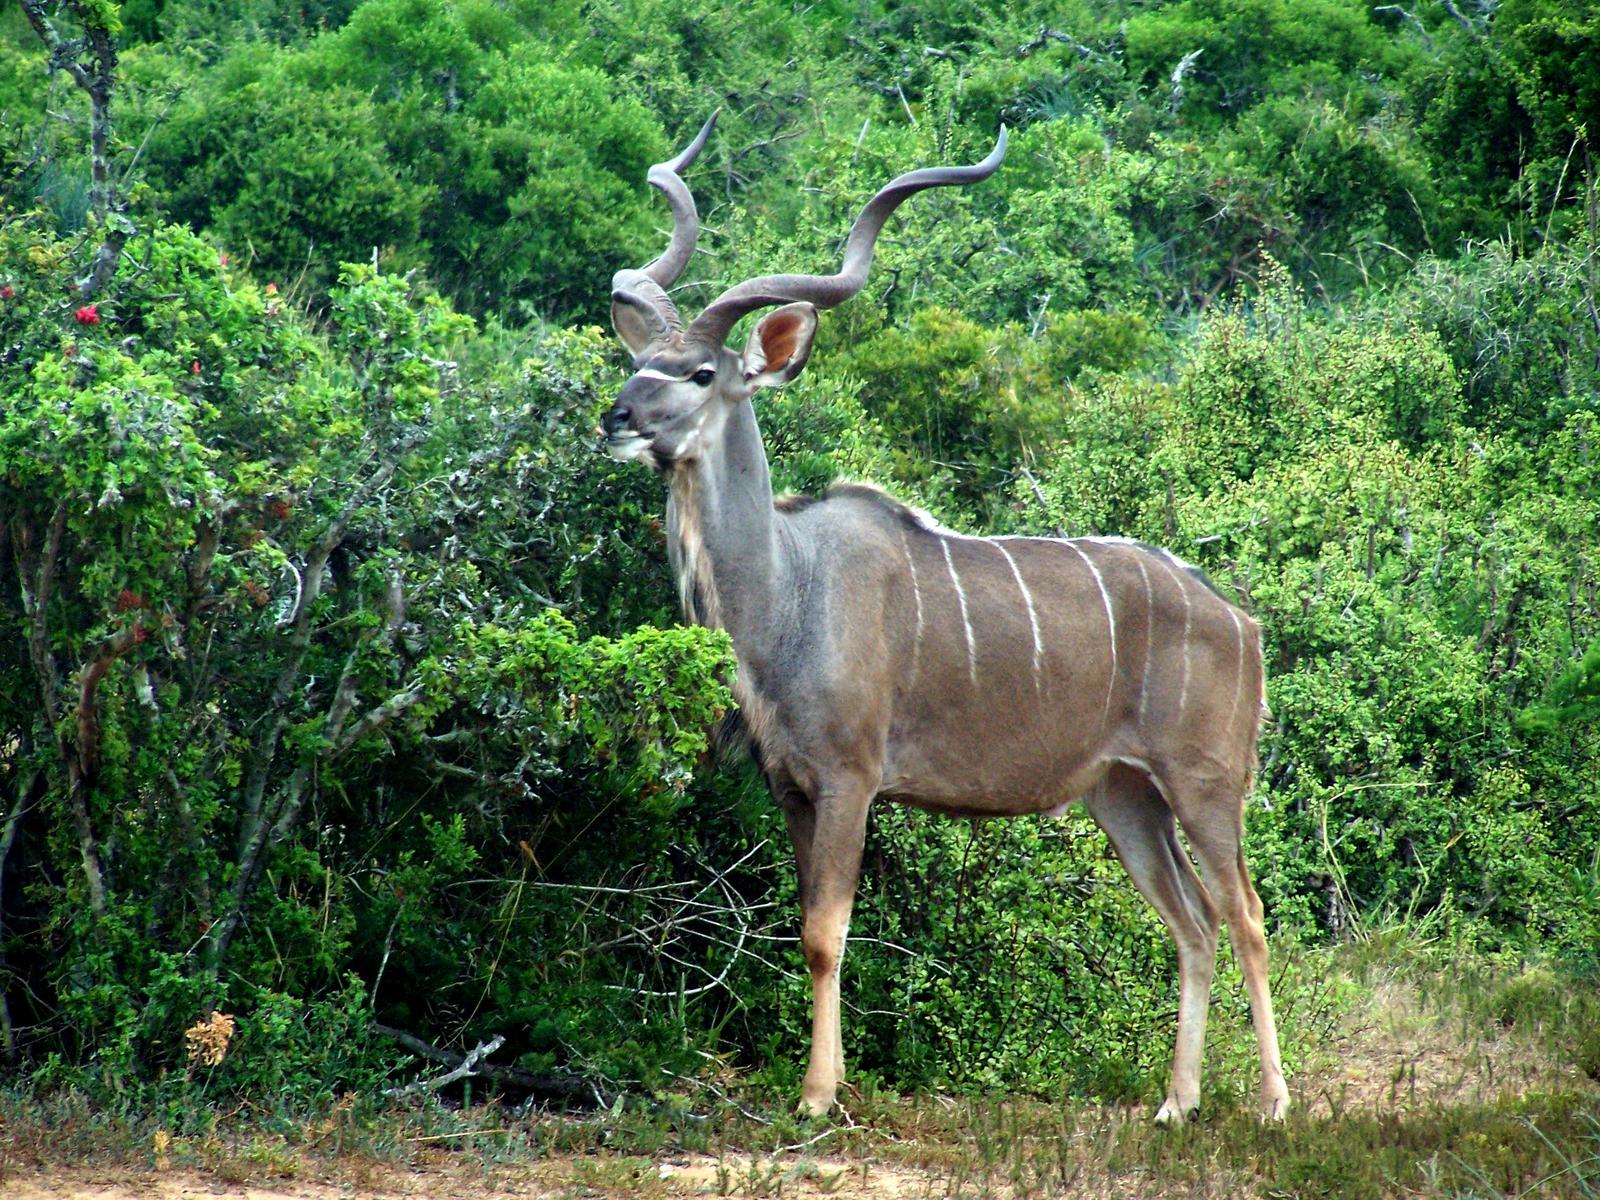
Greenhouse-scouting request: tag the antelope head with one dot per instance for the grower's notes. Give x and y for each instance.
(685, 378)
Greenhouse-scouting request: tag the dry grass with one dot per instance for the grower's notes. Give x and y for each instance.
(1430, 1086)
(1400, 1053)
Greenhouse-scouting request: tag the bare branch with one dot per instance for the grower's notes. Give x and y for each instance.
(41, 565)
(260, 830)
(36, 602)
(1467, 23)
(345, 694)
(191, 836)
(1047, 35)
(300, 642)
(264, 832)
(550, 1087)
(1038, 492)
(198, 569)
(1179, 73)
(91, 63)
(781, 136)
(27, 796)
(63, 54)
(88, 716)
(394, 597)
(1407, 15)
(378, 717)
(466, 1066)
(317, 561)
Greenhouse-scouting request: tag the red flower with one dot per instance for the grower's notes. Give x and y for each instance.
(7, 292)
(87, 315)
(223, 259)
(194, 367)
(127, 599)
(279, 509)
(140, 634)
(272, 289)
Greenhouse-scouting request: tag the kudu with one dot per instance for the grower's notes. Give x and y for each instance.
(881, 655)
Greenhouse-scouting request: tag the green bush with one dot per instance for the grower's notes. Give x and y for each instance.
(1259, 49)
(970, 403)
(237, 612)
(1517, 329)
(419, 132)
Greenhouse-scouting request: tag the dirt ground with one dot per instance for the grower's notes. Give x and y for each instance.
(696, 1175)
(1397, 1055)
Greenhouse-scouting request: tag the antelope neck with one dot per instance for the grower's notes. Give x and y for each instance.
(722, 533)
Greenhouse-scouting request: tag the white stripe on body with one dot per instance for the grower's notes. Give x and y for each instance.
(916, 593)
(1149, 634)
(961, 595)
(1188, 614)
(1238, 691)
(1111, 625)
(1033, 616)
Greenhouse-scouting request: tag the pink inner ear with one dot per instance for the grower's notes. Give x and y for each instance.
(780, 337)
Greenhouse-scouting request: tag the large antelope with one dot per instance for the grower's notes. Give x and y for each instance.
(881, 655)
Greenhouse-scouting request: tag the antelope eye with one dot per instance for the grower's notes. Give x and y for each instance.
(704, 376)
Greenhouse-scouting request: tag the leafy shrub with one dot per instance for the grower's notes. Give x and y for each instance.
(969, 403)
(1255, 50)
(1515, 328)
(233, 593)
(418, 132)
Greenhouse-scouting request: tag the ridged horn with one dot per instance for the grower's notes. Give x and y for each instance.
(649, 283)
(825, 291)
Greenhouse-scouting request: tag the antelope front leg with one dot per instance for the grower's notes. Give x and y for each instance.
(828, 889)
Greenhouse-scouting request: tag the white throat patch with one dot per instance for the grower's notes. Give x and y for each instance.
(628, 448)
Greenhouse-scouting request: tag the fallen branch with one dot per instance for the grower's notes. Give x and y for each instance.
(465, 1067)
(545, 1087)
(1048, 35)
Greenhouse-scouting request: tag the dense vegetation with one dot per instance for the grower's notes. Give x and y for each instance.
(342, 692)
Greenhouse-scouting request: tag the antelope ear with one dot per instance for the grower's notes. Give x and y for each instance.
(637, 321)
(779, 345)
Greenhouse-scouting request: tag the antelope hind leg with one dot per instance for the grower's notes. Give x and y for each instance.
(1135, 817)
(1216, 845)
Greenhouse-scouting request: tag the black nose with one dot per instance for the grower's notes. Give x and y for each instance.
(616, 419)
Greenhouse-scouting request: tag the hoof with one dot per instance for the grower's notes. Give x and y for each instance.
(1171, 1114)
(1274, 1108)
(813, 1106)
